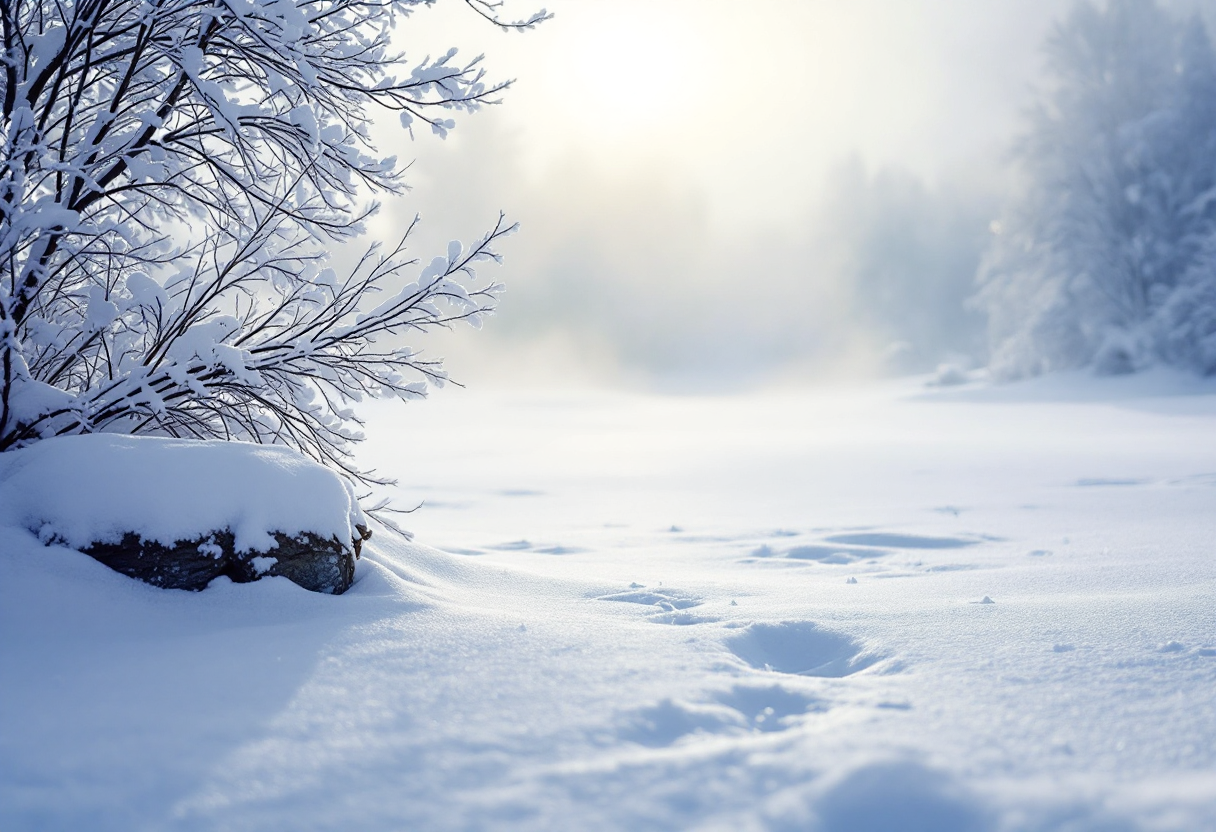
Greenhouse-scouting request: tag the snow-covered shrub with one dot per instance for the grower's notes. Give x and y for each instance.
(171, 172)
(1100, 260)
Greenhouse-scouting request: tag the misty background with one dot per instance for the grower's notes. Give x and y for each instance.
(718, 196)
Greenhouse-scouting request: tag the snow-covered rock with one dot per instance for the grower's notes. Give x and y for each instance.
(178, 513)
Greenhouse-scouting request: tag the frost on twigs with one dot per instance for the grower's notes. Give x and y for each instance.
(172, 175)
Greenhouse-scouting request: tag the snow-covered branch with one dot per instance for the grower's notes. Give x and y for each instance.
(169, 173)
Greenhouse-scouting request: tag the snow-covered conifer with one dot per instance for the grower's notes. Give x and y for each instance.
(1095, 260)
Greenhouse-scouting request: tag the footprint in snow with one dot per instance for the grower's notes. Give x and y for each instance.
(670, 720)
(560, 550)
(893, 540)
(743, 709)
(528, 546)
(815, 553)
(666, 606)
(772, 707)
(666, 600)
(802, 648)
(852, 547)
(513, 546)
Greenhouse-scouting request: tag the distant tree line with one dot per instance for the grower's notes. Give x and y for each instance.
(1106, 257)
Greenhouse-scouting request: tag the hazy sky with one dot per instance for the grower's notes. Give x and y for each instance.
(754, 101)
(690, 175)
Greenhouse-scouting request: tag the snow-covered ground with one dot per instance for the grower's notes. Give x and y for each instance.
(866, 609)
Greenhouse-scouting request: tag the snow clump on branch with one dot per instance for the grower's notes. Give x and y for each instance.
(170, 174)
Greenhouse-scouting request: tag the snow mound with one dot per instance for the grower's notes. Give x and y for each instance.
(94, 488)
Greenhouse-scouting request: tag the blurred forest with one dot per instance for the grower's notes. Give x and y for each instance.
(1107, 255)
(1075, 230)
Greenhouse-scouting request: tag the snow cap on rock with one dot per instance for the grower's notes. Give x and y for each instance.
(96, 487)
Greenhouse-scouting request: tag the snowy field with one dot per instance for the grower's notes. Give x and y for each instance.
(867, 609)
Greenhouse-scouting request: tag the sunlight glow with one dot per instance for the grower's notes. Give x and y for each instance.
(623, 77)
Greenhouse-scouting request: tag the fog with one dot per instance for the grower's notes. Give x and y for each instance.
(716, 195)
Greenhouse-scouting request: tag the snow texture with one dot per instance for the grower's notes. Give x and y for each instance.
(634, 622)
(79, 490)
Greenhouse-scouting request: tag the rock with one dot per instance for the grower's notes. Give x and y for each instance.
(179, 513)
(307, 559)
(362, 534)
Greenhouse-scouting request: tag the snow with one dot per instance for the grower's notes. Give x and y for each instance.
(874, 608)
(94, 488)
